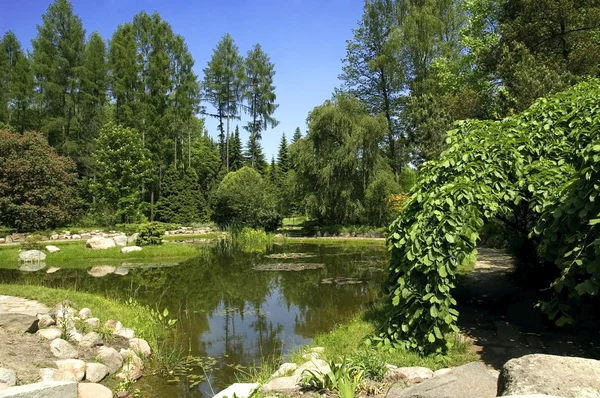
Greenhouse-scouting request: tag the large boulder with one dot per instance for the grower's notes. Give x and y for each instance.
(85, 313)
(95, 372)
(50, 333)
(31, 256)
(409, 375)
(73, 366)
(100, 243)
(51, 389)
(140, 347)
(282, 385)
(19, 322)
(471, 380)
(52, 249)
(130, 249)
(63, 349)
(93, 390)
(111, 358)
(45, 320)
(569, 377)
(120, 240)
(132, 366)
(91, 339)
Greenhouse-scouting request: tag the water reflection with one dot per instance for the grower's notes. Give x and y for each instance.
(230, 312)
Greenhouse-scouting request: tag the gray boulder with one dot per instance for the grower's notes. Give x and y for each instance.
(100, 243)
(130, 249)
(409, 375)
(91, 339)
(283, 385)
(19, 322)
(471, 380)
(111, 358)
(568, 377)
(95, 372)
(8, 377)
(62, 349)
(50, 333)
(32, 255)
(120, 240)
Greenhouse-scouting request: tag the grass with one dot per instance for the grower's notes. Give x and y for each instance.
(73, 254)
(294, 221)
(336, 241)
(210, 235)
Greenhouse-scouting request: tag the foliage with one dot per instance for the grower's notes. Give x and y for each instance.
(37, 186)
(377, 207)
(181, 199)
(343, 377)
(540, 161)
(150, 234)
(33, 242)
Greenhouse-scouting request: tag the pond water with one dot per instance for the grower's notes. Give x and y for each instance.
(237, 308)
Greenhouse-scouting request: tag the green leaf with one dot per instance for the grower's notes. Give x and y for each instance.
(449, 238)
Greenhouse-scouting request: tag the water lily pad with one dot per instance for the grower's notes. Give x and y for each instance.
(288, 267)
(291, 256)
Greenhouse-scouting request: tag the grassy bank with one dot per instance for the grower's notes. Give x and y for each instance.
(74, 254)
(335, 241)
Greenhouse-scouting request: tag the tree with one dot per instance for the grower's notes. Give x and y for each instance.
(244, 200)
(222, 87)
(259, 93)
(255, 156)
(283, 157)
(121, 166)
(181, 200)
(237, 160)
(297, 135)
(57, 63)
(38, 188)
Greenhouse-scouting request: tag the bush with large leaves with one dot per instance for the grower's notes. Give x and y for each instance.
(37, 186)
(543, 162)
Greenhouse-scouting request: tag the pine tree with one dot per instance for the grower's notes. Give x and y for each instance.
(273, 172)
(237, 160)
(255, 156)
(283, 157)
(180, 201)
(297, 135)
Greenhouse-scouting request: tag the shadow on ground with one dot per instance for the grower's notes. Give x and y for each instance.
(502, 319)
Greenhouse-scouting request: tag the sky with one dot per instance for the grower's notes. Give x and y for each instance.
(305, 39)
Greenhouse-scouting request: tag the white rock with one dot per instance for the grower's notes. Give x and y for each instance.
(100, 243)
(51, 374)
(45, 320)
(121, 271)
(286, 368)
(240, 390)
(120, 240)
(132, 238)
(130, 249)
(410, 375)
(113, 325)
(52, 249)
(111, 358)
(126, 333)
(93, 390)
(50, 333)
(93, 322)
(284, 385)
(95, 372)
(91, 339)
(75, 336)
(32, 255)
(76, 236)
(8, 377)
(52, 270)
(62, 349)
(314, 365)
(132, 366)
(85, 313)
(140, 346)
(74, 366)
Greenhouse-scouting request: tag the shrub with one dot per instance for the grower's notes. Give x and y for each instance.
(150, 234)
(33, 242)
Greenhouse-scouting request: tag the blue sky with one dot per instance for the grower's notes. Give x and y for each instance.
(305, 39)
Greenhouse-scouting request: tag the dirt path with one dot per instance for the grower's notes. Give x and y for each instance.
(502, 319)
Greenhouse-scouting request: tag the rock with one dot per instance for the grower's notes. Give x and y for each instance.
(120, 240)
(32, 255)
(240, 390)
(86, 236)
(50, 333)
(93, 390)
(471, 380)
(45, 320)
(85, 313)
(95, 372)
(283, 385)
(113, 325)
(132, 238)
(19, 322)
(74, 366)
(441, 372)
(2, 240)
(51, 374)
(52, 249)
(111, 358)
(317, 365)
(63, 349)
(75, 336)
(132, 366)
(125, 333)
(32, 267)
(101, 270)
(140, 347)
(93, 322)
(52, 270)
(121, 271)
(91, 339)
(50, 389)
(284, 369)
(100, 243)
(311, 356)
(530, 396)
(3, 385)
(8, 377)
(76, 236)
(409, 375)
(569, 377)
(130, 249)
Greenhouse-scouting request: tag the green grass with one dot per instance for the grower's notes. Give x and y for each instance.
(210, 235)
(294, 221)
(74, 254)
(336, 241)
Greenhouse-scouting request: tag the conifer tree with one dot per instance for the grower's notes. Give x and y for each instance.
(255, 156)
(273, 172)
(283, 157)
(181, 200)
(236, 158)
(297, 135)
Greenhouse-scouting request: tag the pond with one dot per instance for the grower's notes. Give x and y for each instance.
(237, 308)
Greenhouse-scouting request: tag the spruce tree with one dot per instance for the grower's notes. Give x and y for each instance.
(255, 156)
(181, 200)
(283, 157)
(273, 172)
(236, 158)
(297, 135)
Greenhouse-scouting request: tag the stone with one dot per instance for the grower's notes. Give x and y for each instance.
(20, 323)
(101, 270)
(50, 389)
(311, 356)
(93, 390)
(32, 255)
(121, 271)
(2, 240)
(93, 322)
(130, 249)
(52, 249)
(132, 366)
(32, 266)
(95, 372)
(75, 236)
(126, 333)
(140, 347)
(85, 313)
(3, 385)
(441, 372)
(86, 236)
(74, 366)
(100, 243)
(111, 358)
(570, 377)
(283, 385)
(409, 375)
(91, 339)
(50, 333)
(75, 336)
(113, 325)
(284, 369)
(62, 349)
(471, 380)
(120, 240)
(8, 377)
(51, 374)
(240, 390)
(131, 239)
(45, 320)
(52, 270)
(317, 365)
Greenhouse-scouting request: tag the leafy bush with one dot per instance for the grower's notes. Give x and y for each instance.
(150, 234)
(33, 242)
(344, 377)
(538, 172)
